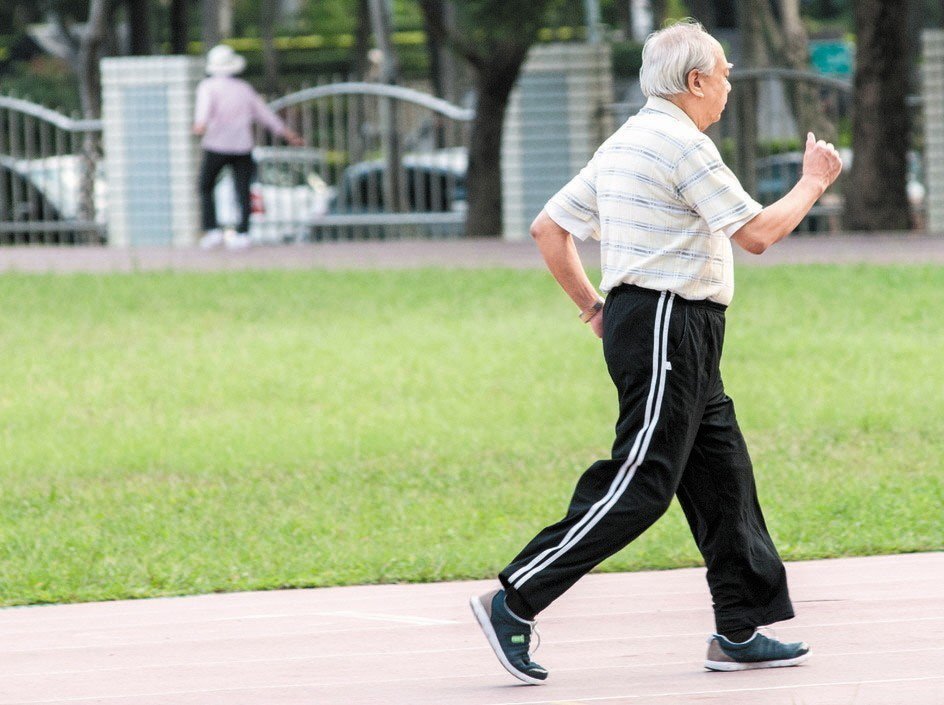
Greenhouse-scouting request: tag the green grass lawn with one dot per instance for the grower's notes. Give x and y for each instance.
(183, 433)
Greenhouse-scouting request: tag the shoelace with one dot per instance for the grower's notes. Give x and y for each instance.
(534, 630)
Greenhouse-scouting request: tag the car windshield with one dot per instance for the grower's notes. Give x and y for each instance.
(273, 173)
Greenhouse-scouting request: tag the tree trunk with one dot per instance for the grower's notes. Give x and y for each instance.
(493, 83)
(210, 23)
(393, 186)
(876, 197)
(753, 45)
(362, 40)
(624, 17)
(483, 181)
(139, 26)
(90, 93)
(268, 17)
(755, 54)
(794, 53)
(90, 53)
(434, 50)
(496, 64)
(179, 24)
(660, 11)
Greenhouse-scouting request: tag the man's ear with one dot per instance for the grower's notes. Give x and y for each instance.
(693, 81)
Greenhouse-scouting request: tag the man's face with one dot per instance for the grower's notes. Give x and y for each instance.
(716, 88)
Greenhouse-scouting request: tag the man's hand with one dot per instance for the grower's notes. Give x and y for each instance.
(821, 166)
(821, 161)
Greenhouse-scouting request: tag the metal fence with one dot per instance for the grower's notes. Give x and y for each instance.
(51, 184)
(385, 162)
(380, 162)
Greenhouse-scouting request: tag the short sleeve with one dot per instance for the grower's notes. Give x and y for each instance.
(711, 189)
(576, 205)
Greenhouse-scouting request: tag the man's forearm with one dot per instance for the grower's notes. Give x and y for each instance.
(560, 254)
(779, 219)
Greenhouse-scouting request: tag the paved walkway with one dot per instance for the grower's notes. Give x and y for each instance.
(878, 248)
(876, 626)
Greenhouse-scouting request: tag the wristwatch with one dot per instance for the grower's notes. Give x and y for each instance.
(588, 313)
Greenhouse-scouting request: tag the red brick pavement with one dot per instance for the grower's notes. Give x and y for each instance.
(876, 626)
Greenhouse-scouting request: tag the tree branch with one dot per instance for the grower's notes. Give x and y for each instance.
(433, 12)
(65, 34)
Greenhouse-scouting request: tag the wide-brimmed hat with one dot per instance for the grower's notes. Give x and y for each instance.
(223, 61)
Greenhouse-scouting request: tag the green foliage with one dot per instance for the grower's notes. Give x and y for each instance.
(844, 129)
(627, 59)
(46, 81)
(182, 433)
(493, 23)
(766, 148)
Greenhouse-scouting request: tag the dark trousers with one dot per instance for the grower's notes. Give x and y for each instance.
(242, 166)
(676, 435)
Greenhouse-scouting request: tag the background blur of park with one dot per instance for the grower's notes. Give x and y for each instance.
(167, 432)
(443, 119)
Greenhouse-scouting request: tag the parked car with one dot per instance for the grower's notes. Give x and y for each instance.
(20, 199)
(434, 182)
(44, 194)
(777, 174)
(433, 185)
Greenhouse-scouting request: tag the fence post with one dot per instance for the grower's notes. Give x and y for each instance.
(558, 114)
(932, 88)
(151, 157)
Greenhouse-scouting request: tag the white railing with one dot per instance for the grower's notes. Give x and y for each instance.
(51, 184)
(386, 162)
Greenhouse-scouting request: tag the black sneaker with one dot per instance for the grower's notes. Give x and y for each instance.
(757, 652)
(508, 635)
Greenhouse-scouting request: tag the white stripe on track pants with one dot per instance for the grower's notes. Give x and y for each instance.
(677, 435)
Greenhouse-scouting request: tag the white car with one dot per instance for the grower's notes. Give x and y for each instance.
(58, 180)
(287, 194)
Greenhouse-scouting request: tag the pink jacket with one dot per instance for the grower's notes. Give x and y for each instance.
(227, 107)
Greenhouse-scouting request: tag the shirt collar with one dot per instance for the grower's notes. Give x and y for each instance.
(667, 107)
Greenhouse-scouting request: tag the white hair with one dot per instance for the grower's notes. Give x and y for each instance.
(671, 53)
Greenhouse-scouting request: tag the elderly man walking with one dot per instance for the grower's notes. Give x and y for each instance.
(665, 209)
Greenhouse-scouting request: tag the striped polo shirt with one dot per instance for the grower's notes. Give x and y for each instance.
(662, 204)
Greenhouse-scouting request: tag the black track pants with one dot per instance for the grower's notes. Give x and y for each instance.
(243, 168)
(676, 435)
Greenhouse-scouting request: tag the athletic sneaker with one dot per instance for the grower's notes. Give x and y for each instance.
(757, 652)
(508, 635)
(212, 238)
(237, 241)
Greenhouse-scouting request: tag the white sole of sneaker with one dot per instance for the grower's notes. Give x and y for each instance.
(481, 616)
(735, 666)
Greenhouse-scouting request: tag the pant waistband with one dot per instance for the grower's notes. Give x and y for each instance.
(653, 293)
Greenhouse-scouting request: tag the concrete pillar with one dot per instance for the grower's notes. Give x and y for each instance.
(151, 158)
(557, 116)
(932, 90)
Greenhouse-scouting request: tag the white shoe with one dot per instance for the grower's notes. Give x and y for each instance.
(212, 238)
(237, 241)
